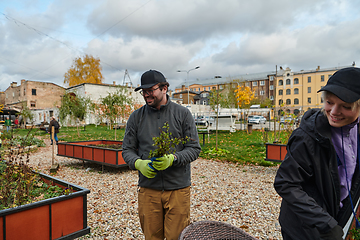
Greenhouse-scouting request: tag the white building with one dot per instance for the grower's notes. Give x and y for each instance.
(97, 91)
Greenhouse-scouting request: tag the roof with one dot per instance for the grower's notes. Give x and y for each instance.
(97, 84)
(254, 76)
(222, 80)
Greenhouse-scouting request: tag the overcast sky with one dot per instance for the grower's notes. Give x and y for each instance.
(39, 39)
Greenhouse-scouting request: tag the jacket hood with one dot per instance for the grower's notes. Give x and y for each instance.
(316, 125)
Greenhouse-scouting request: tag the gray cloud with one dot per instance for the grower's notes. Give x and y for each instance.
(225, 38)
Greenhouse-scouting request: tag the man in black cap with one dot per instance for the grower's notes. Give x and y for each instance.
(164, 190)
(319, 179)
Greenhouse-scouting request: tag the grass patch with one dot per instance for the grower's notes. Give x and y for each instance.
(239, 147)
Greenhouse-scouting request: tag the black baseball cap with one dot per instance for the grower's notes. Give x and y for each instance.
(345, 84)
(150, 78)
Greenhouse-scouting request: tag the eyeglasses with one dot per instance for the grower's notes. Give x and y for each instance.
(149, 92)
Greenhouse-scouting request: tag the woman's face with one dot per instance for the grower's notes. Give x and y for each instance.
(338, 112)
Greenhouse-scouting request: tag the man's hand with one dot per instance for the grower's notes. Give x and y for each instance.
(163, 162)
(144, 167)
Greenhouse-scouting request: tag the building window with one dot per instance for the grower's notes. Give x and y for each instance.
(271, 97)
(280, 92)
(309, 100)
(288, 101)
(24, 91)
(296, 91)
(262, 92)
(296, 101)
(262, 83)
(288, 74)
(329, 76)
(254, 84)
(271, 87)
(33, 91)
(180, 95)
(296, 81)
(271, 78)
(221, 86)
(280, 101)
(247, 84)
(288, 81)
(281, 82)
(288, 91)
(322, 78)
(309, 79)
(32, 104)
(309, 89)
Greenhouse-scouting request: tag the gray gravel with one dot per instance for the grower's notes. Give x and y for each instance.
(239, 195)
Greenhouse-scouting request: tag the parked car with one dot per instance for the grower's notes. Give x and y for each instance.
(200, 121)
(257, 119)
(287, 120)
(250, 117)
(204, 121)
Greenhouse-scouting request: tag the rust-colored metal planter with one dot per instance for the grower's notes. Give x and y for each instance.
(275, 152)
(63, 217)
(84, 150)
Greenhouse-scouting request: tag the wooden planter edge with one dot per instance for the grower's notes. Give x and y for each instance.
(80, 192)
(274, 144)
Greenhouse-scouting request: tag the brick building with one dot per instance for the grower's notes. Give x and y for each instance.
(43, 98)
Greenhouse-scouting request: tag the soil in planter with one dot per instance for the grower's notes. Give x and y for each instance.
(19, 185)
(112, 146)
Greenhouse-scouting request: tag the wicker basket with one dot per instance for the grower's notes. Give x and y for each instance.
(213, 230)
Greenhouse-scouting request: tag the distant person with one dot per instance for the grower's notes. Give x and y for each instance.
(164, 193)
(56, 125)
(16, 122)
(319, 179)
(7, 124)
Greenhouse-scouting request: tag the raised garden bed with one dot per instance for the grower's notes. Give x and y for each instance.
(93, 151)
(275, 152)
(63, 217)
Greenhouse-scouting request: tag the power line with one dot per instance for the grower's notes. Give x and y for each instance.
(122, 19)
(71, 48)
(17, 22)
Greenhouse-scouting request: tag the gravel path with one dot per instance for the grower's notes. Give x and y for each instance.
(239, 195)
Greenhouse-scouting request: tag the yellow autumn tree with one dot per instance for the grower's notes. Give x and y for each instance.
(244, 96)
(84, 70)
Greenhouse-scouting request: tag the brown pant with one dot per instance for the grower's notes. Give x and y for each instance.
(163, 214)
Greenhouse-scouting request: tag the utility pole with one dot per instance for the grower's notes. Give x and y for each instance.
(275, 81)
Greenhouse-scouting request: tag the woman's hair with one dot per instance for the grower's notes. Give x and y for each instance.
(326, 94)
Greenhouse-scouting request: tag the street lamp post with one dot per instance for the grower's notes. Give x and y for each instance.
(187, 79)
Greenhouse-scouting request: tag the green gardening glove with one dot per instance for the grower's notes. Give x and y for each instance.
(163, 162)
(144, 167)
